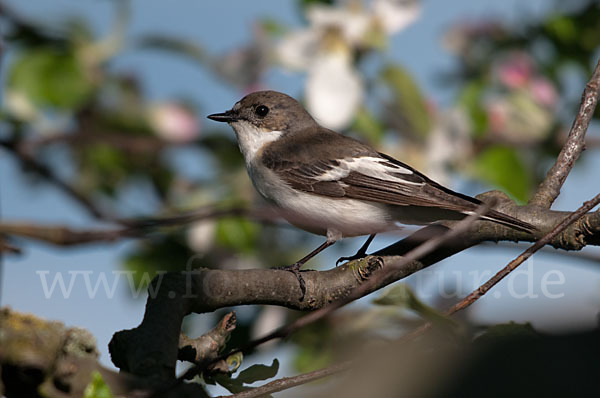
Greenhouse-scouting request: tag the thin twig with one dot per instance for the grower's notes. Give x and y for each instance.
(61, 235)
(483, 289)
(128, 143)
(549, 189)
(581, 255)
(31, 163)
(288, 382)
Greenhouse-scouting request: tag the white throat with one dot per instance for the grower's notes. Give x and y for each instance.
(251, 138)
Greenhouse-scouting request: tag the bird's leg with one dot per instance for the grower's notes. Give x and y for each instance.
(332, 237)
(362, 252)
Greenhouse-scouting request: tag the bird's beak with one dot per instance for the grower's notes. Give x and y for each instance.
(226, 117)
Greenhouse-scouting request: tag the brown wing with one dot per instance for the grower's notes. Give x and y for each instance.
(326, 163)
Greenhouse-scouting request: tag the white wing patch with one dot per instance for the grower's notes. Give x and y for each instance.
(379, 168)
(336, 173)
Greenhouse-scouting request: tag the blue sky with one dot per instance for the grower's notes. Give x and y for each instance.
(220, 26)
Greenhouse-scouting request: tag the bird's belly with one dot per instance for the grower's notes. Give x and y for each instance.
(318, 214)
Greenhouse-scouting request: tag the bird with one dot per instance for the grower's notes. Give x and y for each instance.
(333, 185)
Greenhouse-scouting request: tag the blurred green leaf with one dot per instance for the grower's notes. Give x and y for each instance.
(564, 27)
(309, 358)
(102, 167)
(368, 126)
(398, 295)
(401, 295)
(471, 98)
(315, 347)
(51, 78)
(502, 166)
(273, 27)
(105, 168)
(408, 98)
(97, 388)
(238, 234)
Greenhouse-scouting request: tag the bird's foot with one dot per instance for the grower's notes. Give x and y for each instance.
(361, 253)
(358, 255)
(295, 269)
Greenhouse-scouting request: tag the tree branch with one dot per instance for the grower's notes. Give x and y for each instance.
(174, 295)
(379, 278)
(28, 161)
(197, 289)
(549, 189)
(483, 289)
(205, 349)
(62, 235)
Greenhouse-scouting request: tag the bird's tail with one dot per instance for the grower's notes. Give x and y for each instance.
(508, 221)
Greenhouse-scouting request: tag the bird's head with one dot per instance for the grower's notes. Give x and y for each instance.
(267, 111)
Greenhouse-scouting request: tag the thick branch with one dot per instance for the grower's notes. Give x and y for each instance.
(549, 189)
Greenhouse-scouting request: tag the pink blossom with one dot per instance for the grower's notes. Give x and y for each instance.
(174, 122)
(543, 91)
(516, 71)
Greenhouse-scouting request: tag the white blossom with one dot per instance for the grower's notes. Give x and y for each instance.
(395, 15)
(20, 106)
(296, 50)
(201, 236)
(352, 22)
(334, 90)
(448, 143)
(326, 49)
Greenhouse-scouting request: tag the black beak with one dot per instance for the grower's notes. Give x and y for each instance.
(225, 117)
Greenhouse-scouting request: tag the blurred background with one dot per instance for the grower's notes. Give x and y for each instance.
(103, 118)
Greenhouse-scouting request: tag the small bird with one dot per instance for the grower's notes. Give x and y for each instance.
(333, 185)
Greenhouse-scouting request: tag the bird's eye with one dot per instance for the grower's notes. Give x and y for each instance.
(261, 110)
